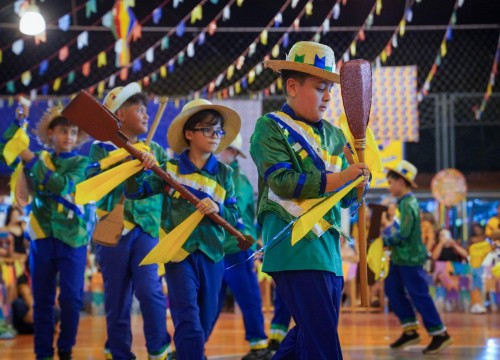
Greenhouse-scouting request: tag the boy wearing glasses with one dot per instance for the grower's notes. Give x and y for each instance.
(195, 279)
(120, 264)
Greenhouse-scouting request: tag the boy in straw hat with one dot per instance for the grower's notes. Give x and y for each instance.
(120, 268)
(57, 228)
(242, 280)
(407, 278)
(194, 280)
(300, 157)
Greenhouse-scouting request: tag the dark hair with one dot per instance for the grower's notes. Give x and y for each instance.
(10, 210)
(205, 117)
(60, 121)
(139, 98)
(394, 175)
(292, 74)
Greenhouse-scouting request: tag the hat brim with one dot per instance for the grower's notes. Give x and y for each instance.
(232, 125)
(278, 65)
(128, 91)
(412, 183)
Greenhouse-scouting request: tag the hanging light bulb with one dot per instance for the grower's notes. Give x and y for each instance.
(32, 22)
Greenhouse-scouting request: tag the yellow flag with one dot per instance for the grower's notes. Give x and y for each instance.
(376, 259)
(15, 146)
(169, 245)
(307, 221)
(372, 153)
(96, 187)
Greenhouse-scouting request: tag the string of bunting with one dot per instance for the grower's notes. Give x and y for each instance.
(62, 22)
(169, 65)
(443, 50)
(400, 30)
(101, 57)
(256, 70)
(479, 110)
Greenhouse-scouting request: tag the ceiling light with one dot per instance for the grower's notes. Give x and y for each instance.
(32, 22)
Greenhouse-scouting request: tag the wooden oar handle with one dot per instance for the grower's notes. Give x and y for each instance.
(363, 269)
(244, 242)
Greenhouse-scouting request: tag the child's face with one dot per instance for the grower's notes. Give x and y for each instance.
(204, 138)
(63, 138)
(228, 155)
(310, 99)
(396, 186)
(134, 119)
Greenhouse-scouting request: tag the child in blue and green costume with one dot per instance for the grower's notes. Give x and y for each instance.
(120, 268)
(57, 230)
(240, 275)
(194, 281)
(406, 284)
(299, 156)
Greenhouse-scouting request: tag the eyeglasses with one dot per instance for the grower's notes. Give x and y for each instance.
(210, 131)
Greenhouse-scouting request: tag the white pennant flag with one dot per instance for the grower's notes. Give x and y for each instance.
(111, 83)
(18, 47)
(190, 50)
(150, 55)
(226, 15)
(82, 40)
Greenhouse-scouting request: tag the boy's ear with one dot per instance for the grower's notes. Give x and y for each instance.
(119, 114)
(188, 134)
(291, 87)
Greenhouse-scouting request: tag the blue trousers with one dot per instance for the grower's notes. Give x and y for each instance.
(313, 298)
(122, 277)
(409, 282)
(242, 280)
(281, 318)
(193, 290)
(49, 257)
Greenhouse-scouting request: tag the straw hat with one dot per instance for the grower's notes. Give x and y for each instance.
(406, 170)
(117, 96)
(237, 145)
(232, 124)
(42, 128)
(308, 57)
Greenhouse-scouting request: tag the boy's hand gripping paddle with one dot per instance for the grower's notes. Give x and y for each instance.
(356, 89)
(100, 123)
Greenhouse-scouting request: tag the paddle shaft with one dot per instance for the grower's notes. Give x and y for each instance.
(363, 270)
(244, 242)
(154, 126)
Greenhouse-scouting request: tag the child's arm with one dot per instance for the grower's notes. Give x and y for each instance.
(276, 166)
(144, 185)
(54, 181)
(407, 226)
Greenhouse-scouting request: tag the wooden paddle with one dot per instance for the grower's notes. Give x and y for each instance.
(96, 120)
(356, 89)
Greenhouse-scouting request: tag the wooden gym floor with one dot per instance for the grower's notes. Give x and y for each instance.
(363, 336)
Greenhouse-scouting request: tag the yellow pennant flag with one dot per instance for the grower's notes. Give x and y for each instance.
(96, 187)
(263, 37)
(307, 221)
(372, 153)
(377, 260)
(171, 244)
(57, 84)
(196, 14)
(102, 59)
(16, 145)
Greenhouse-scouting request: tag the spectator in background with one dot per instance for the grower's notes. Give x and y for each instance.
(477, 234)
(428, 228)
(493, 223)
(15, 225)
(447, 248)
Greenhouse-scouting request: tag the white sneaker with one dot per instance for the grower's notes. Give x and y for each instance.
(477, 309)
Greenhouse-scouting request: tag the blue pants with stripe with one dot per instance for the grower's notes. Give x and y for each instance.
(193, 291)
(282, 316)
(409, 282)
(313, 298)
(122, 277)
(242, 280)
(49, 257)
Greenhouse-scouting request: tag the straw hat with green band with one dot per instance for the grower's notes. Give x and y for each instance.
(42, 128)
(406, 170)
(232, 124)
(308, 57)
